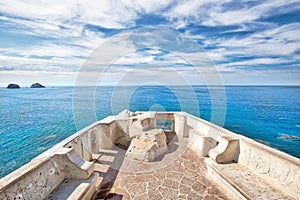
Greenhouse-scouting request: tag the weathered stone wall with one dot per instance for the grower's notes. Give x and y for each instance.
(278, 168)
(275, 167)
(36, 180)
(205, 127)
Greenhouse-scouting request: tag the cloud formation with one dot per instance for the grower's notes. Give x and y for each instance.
(253, 38)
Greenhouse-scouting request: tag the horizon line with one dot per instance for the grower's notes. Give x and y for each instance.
(226, 85)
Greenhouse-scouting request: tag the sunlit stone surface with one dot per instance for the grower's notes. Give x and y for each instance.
(148, 146)
(183, 179)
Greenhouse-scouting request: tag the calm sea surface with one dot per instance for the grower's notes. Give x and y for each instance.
(33, 120)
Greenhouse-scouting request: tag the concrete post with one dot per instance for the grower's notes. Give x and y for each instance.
(87, 150)
(95, 140)
(77, 145)
(180, 125)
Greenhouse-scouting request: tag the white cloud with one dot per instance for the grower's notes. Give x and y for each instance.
(64, 23)
(104, 13)
(135, 58)
(147, 6)
(230, 17)
(215, 13)
(279, 41)
(167, 59)
(218, 54)
(191, 8)
(258, 61)
(13, 63)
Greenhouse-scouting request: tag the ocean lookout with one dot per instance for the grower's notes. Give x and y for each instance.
(188, 158)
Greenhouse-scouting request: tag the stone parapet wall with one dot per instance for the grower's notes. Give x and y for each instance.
(69, 158)
(36, 180)
(277, 168)
(41, 176)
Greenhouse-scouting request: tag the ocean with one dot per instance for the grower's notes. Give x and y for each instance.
(33, 120)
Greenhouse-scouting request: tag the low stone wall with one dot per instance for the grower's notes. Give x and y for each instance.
(35, 180)
(38, 178)
(277, 168)
(85, 142)
(69, 158)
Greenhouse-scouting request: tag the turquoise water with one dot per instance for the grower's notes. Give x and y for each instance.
(33, 120)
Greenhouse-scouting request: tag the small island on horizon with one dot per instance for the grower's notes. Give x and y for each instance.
(37, 85)
(13, 86)
(16, 86)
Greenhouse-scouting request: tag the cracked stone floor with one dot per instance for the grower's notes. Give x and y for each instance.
(180, 174)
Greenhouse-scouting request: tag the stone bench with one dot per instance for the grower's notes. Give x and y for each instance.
(47, 175)
(241, 183)
(79, 182)
(75, 189)
(226, 151)
(200, 143)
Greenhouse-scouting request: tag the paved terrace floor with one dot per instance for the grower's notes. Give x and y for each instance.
(180, 174)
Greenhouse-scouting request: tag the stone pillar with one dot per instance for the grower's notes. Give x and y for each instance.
(95, 140)
(87, 149)
(77, 145)
(104, 131)
(181, 128)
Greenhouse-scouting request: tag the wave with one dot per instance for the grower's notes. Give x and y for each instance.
(284, 136)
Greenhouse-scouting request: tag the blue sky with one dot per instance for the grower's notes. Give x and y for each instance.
(250, 42)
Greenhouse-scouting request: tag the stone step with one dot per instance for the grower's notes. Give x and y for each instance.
(241, 183)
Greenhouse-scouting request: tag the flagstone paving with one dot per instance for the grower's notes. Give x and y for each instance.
(181, 177)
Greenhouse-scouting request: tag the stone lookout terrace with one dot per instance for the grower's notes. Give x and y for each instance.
(156, 155)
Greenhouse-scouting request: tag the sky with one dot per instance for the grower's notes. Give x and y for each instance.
(247, 42)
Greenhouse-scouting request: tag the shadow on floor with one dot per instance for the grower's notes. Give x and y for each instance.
(113, 161)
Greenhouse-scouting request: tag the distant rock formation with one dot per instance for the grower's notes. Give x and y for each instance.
(13, 86)
(37, 85)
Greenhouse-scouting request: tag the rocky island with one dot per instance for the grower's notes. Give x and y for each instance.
(13, 86)
(37, 85)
